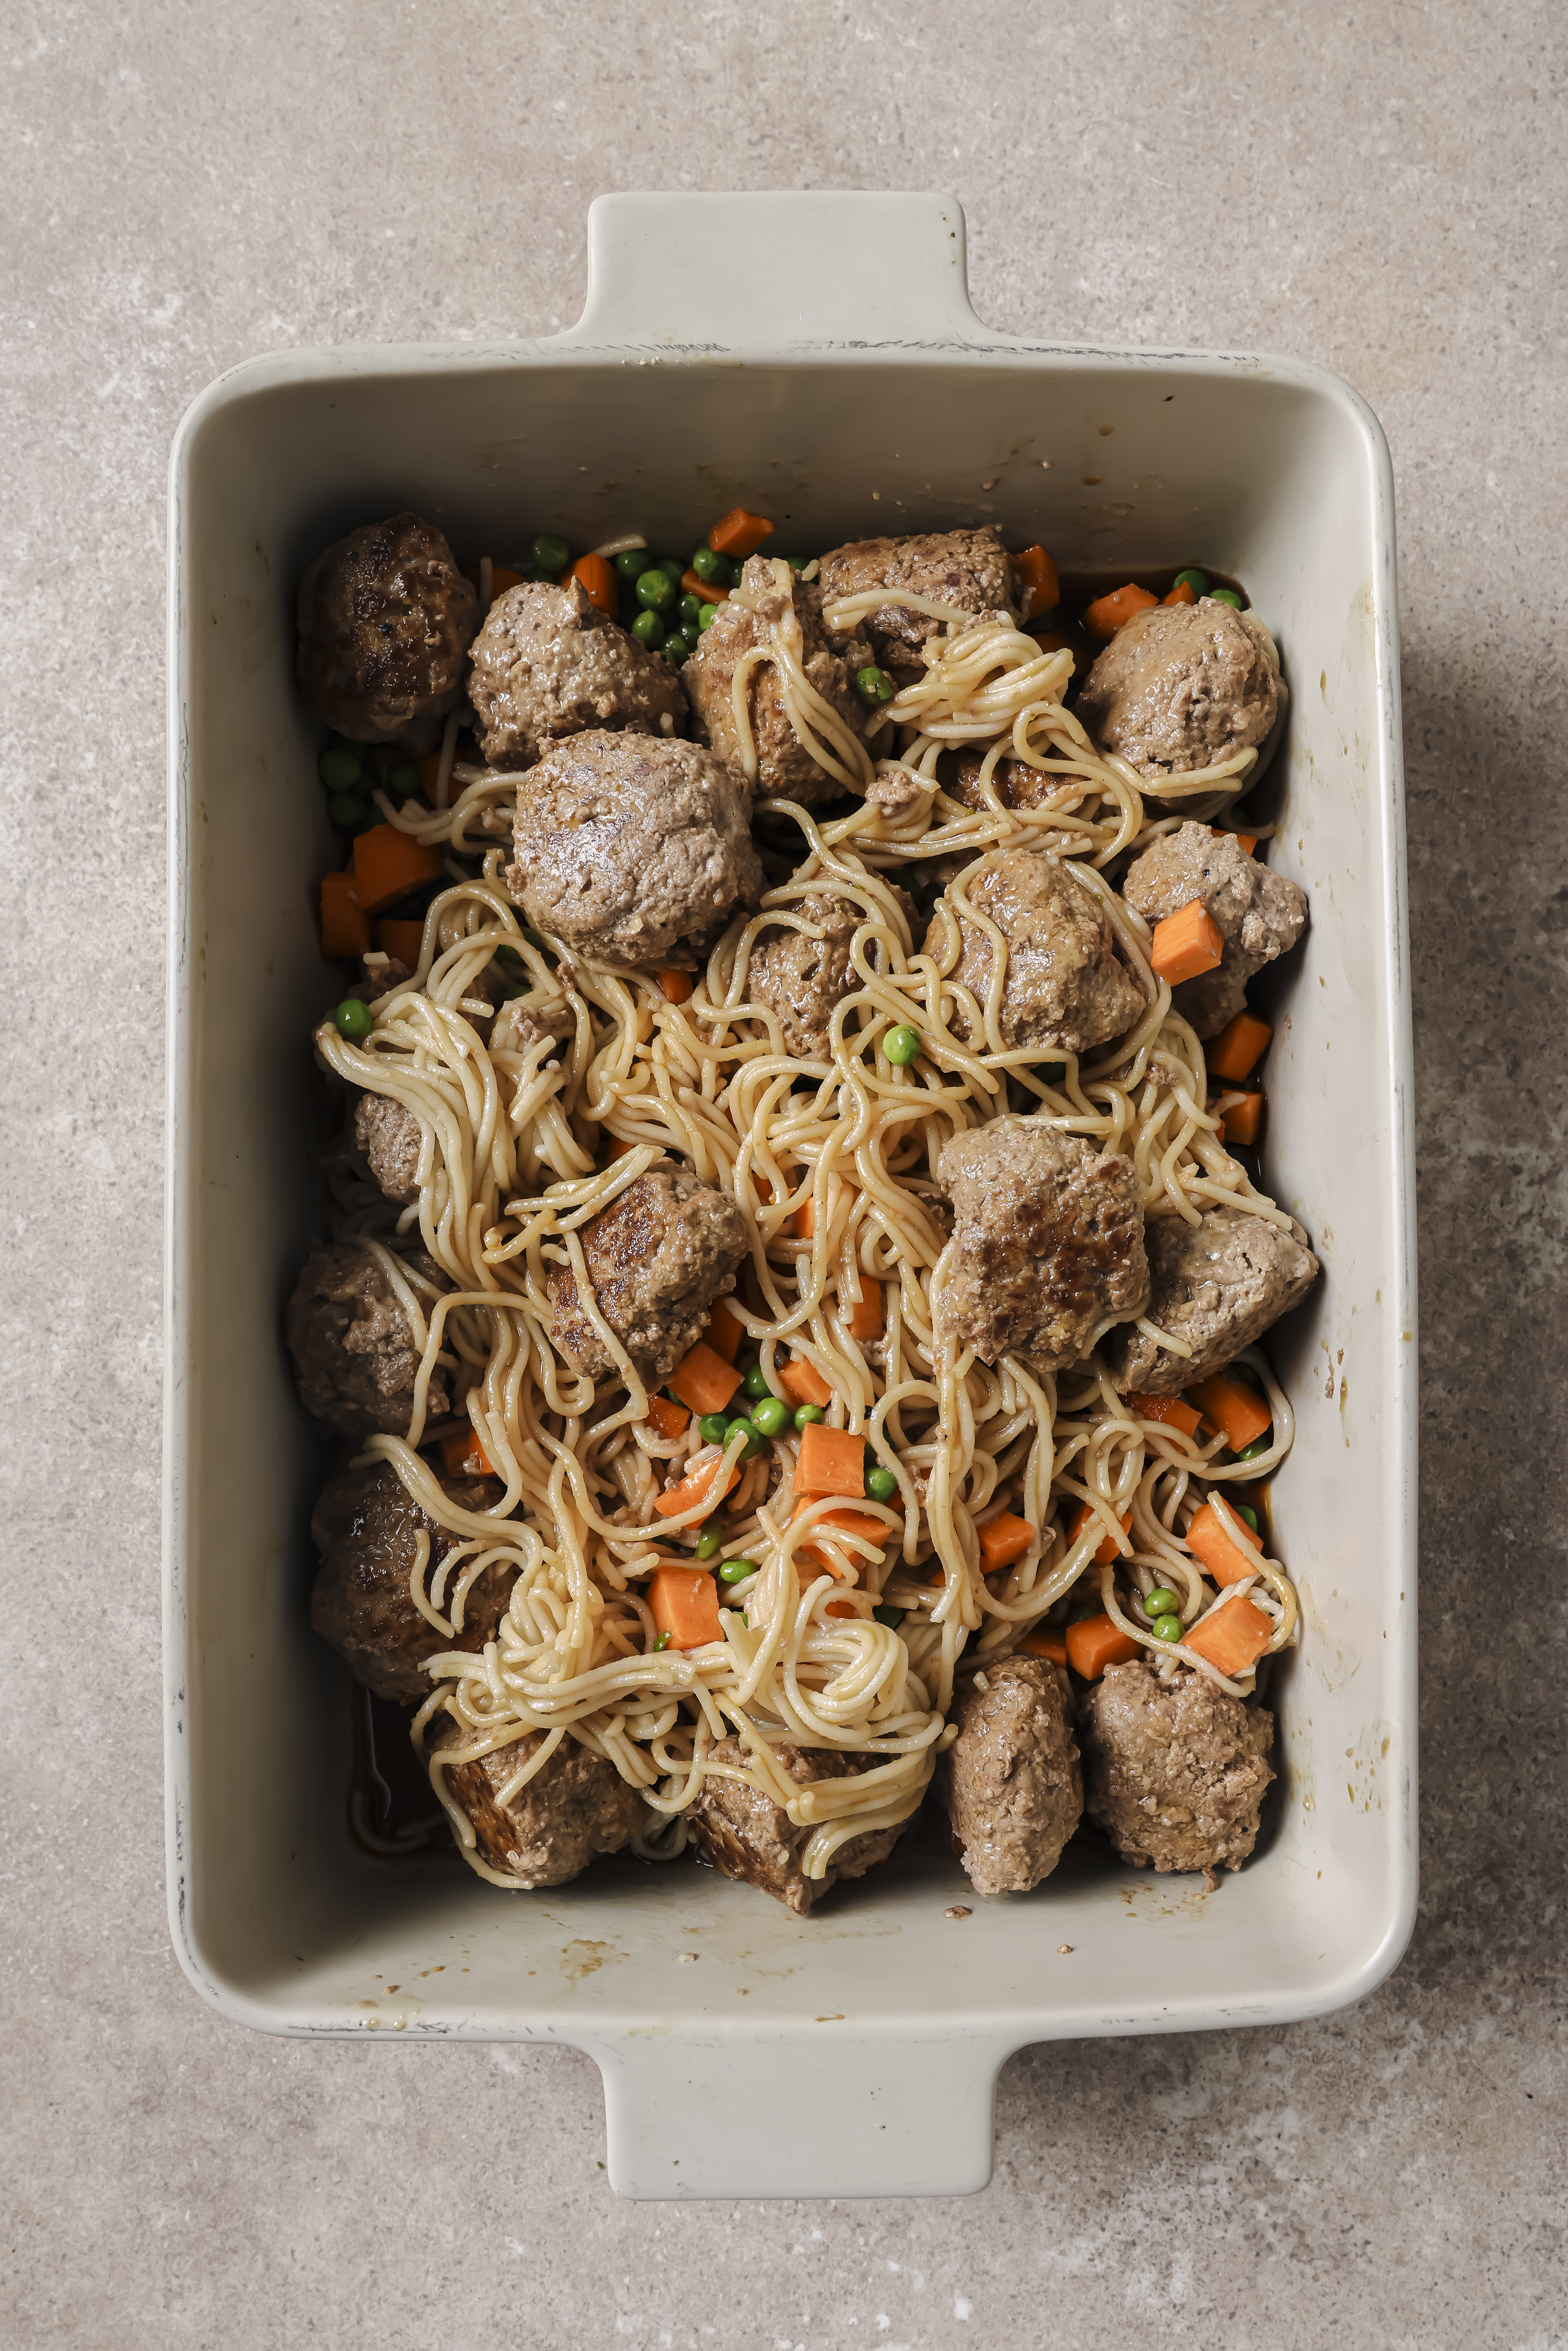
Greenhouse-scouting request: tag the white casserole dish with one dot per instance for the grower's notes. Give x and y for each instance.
(815, 355)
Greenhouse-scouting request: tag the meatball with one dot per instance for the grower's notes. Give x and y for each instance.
(385, 623)
(634, 849)
(1218, 1284)
(783, 763)
(746, 1835)
(968, 569)
(548, 662)
(1017, 785)
(1259, 913)
(1173, 1767)
(658, 1257)
(576, 1806)
(1067, 986)
(389, 1134)
(1014, 1790)
(1181, 686)
(804, 980)
(1047, 1239)
(353, 1348)
(523, 1022)
(367, 1528)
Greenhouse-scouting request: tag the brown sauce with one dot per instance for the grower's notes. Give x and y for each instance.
(392, 1810)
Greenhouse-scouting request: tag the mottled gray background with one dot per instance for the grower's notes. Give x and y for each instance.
(1381, 188)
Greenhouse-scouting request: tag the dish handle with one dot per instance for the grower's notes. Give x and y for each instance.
(744, 2116)
(776, 272)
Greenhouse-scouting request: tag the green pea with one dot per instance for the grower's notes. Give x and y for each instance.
(771, 1417)
(632, 561)
(1166, 1628)
(339, 767)
(690, 635)
(902, 1046)
(805, 1413)
(549, 552)
(1260, 1446)
(688, 608)
(675, 649)
(1162, 1603)
(753, 1445)
(709, 566)
(353, 1018)
(706, 615)
(708, 1546)
(712, 1427)
(873, 685)
(534, 939)
(348, 812)
(800, 563)
(674, 566)
(1197, 581)
(757, 1382)
(662, 1642)
(403, 780)
(881, 1484)
(736, 1571)
(1226, 596)
(1247, 1375)
(1245, 1510)
(892, 1617)
(655, 590)
(650, 628)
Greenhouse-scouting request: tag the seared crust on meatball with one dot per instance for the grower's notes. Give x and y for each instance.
(658, 1257)
(1173, 1769)
(968, 569)
(385, 621)
(1048, 1242)
(548, 662)
(1067, 986)
(367, 1529)
(1181, 686)
(388, 1132)
(745, 1834)
(1259, 913)
(574, 1808)
(804, 980)
(634, 849)
(784, 765)
(353, 1348)
(1017, 785)
(1218, 1284)
(1014, 1791)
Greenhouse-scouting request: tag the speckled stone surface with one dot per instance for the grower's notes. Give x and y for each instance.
(1381, 189)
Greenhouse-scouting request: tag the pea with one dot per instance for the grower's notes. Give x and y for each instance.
(348, 812)
(902, 1046)
(353, 1018)
(806, 1414)
(674, 566)
(1247, 1375)
(736, 1571)
(662, 1642)
(403, 779)
(549, 552)
(1197, 581)
(650, 628)
(708, 1546)
(688, 608)
(534, 939)
(689, 634)
(892, 1617)
(873, 685)
(1226, 596)
(632, 561)
(881, 1484)
(1245, 1510)
(771, 1417)
(706, 615)
(1162, 1603)
(757, 1382)
(712, 1427)
(1166, 1628)
(675, 649)
(753, 1445)
(1260, 1446)
(800, 563)
(655, 590)
(339, 767)
(709, 566)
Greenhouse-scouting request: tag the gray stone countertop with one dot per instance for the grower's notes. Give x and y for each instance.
(1383, 190)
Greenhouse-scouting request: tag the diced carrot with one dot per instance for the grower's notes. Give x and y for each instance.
(463, 1456)
(500, 578)
(806, 1220)
(1235, 1408)
(1106, 614)
(1003, 1540)
(1107, 1550)
(725, 1332)
(866, 1316)
(1180, 594)
(1246, 842)
(1187, 944)
(843, 1523)
(1235, 1051)
(1209, 1543)
(676, 985)
(388, 864)
(666, 1418)
(706, 591)
(703, 1380)
(403, 940)
(1170, 1409)
(600, 584)
(684, 1604)
(831, 1461)
(703, 1485)
(803, 1382)
(1094, 1643)
(345, 929)
(841, 1608)
(1220, 1131)
(1042, 1643)
(1243, 1117)
(1042, 591)
(1232, 1636)
(739, 534)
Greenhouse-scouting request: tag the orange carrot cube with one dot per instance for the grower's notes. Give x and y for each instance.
(1187, 944)
(1234, 1053)
(1094, 1643)
(739, 534)
(1236, 1410)
(1169, 1409)
(1233, 1636)
(702, 1380)
(830, 1461)
(1106, 614)
(803, 1382)
(1042, 1643)
(725, 1330)
(1107, 1550)
(684, 1604)
(1005, 1539)
(666, 1419)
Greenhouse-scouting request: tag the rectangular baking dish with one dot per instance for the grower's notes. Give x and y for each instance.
(815, 356)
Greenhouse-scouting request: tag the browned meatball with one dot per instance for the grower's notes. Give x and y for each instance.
(525, 1021)
(367, 1530)
(575, 1807)
(1181, 686)
(1017, 785)
(746, 1835)
(1014, 1790)
(784, 765)
(1259, 913)
(1049, 1238)
(353, 1348)
(658, 1257)
(1218, 1284)
(548, 664)
(804, 980)
(1173, 1767)
(968, 569)
(634, 850)
(1067, 986)
(385, 621)
(388, 1132)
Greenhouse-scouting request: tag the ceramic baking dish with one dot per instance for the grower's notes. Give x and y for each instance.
(816, 356)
